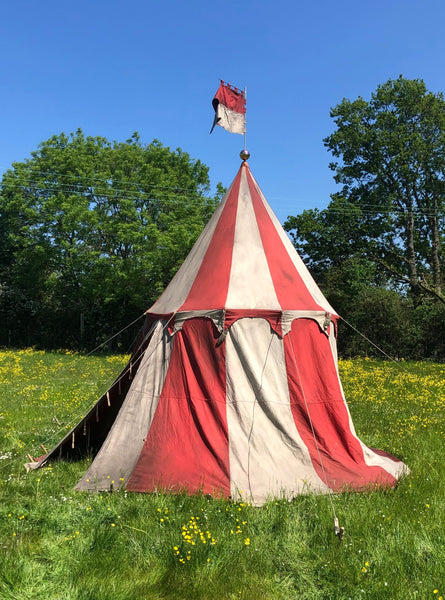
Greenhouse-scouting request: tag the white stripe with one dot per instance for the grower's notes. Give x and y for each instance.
(250, 284)
(371, 458)
(307, 278)
(119, 453)
(230, 120)
(267, 455)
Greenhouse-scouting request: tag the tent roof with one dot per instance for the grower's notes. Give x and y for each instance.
(243, 261)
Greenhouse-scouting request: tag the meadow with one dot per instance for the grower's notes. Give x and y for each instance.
(58, 544)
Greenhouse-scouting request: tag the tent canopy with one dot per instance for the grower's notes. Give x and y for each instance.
(233, 388)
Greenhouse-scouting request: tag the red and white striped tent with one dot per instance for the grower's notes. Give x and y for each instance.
(234, 387)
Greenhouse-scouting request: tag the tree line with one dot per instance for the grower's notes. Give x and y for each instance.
(377, 249)
(91, 231)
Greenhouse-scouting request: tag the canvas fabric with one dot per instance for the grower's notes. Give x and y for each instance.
(242, 260)
(256, 417)
(236, 391)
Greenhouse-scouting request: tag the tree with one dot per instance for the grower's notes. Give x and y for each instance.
(92, 231)
(390, 160)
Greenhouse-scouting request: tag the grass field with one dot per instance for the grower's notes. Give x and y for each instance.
(58, 544)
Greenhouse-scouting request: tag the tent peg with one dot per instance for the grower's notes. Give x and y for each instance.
(108, 399)
(339, 531)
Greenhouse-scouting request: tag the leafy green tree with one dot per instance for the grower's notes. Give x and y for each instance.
(390, 160)
(92, 231)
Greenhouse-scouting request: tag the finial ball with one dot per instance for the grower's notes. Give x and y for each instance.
(244, 154)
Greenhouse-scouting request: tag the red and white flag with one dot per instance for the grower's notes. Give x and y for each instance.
(230, 109)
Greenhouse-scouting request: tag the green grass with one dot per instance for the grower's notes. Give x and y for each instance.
(56, 543)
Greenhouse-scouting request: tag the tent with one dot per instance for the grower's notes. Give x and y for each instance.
(233, 389)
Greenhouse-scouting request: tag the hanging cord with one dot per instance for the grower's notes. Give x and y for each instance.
(71, 365)
(142, 354)
(78, 416)
(369, 341)
(80, 358)
(390, 358)
(339, 531)
(63, 370)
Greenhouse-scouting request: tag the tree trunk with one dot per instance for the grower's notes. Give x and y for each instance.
(411, 252)
(435, 248)
(82, 328)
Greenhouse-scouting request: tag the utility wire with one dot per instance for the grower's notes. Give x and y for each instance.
(112, 194)
(94, 191)
(91, 180)
(177, 195)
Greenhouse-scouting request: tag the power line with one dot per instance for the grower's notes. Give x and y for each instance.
(93, 179)
(175, 198)
(176, 195)
(82, 178)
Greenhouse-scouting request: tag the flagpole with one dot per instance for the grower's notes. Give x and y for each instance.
(245, 154)
(245, 129)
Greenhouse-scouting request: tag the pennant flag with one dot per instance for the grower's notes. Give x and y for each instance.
(230, 109)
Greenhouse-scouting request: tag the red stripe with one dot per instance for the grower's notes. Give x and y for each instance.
(209, 290)
(272, 316)
(342, 463)
(233, 99)
(291, 291)
(187, 445)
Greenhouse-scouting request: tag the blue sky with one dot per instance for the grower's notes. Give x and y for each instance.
(113, 68)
